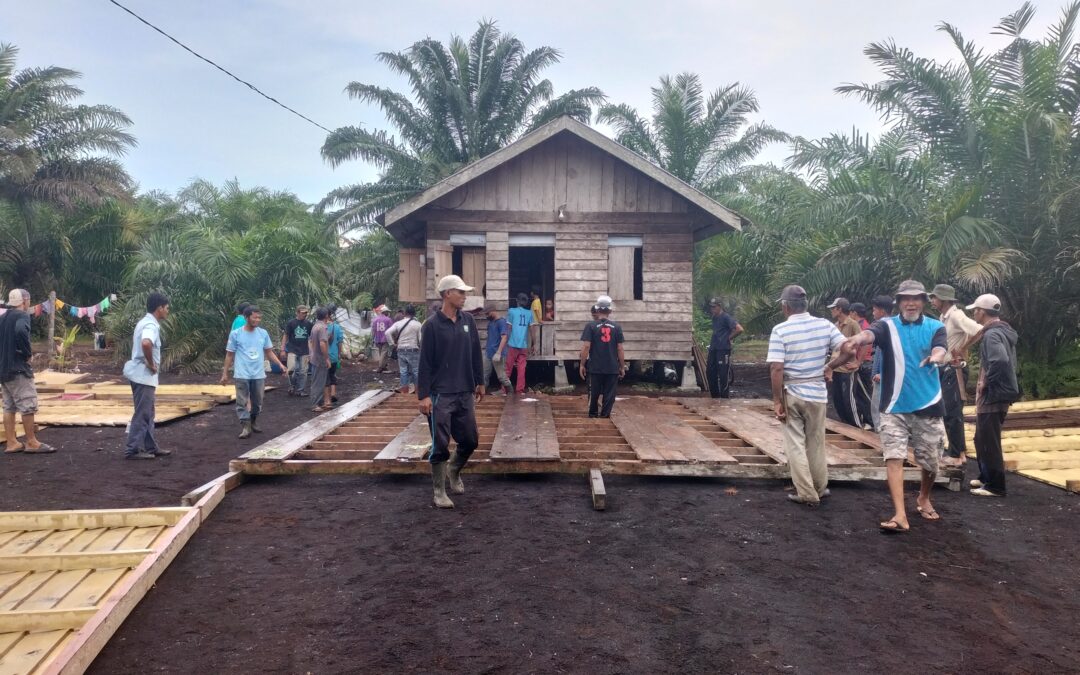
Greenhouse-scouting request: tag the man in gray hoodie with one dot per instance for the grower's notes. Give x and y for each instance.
(996, 391)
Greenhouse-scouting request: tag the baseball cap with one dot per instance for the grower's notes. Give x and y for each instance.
(301, 308)
(715, 302)
(15, 298)
(792, 292)
(986, 301)
(452, 282)
(858, 308)
(910, 287)
(840, 303)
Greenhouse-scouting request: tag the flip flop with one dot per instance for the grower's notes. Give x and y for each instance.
(929, 514)
(42, 449)
(892, 527)
(12, 452)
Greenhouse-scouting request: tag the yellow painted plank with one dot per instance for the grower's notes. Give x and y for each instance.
(142, 537)
(54, 590)
(31, 651)
(126, 558)
(64, 520)
(27, 540)
(110, 540)
(30, 584)
(94, 588)
(9, 580)
(56, 541)
(85, 539)
(45, 619)
(8, 640)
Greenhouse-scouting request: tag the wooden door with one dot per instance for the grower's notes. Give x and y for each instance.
(621, 272)
(412, 275)
(474, 268)
(444, 261)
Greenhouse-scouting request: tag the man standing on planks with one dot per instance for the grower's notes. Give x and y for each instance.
(319, 353)
(798, 349)
(996, 390)
(450, 385)
(519, 319)
(602, 350)
(247, 348)
(913, 347)
(724, 329)
(841, 386)
(959, 329)
(142, 372)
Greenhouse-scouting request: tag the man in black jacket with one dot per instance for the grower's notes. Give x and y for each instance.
(996, 390)
(16, 376)
(450, 384)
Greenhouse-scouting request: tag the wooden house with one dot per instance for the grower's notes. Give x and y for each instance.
(571, 212)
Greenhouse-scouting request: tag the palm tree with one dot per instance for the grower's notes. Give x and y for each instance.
(469, 98)
(54, 154)
(696, 140)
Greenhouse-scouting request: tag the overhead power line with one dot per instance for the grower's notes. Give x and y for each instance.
(203, 58)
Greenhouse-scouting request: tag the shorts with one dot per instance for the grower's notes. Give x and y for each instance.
(331, 375)
(20, 395)
(925, 436)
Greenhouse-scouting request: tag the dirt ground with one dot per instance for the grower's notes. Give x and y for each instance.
(360, 574)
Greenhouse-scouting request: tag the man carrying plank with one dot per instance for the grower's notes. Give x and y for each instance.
(247, 348)
(602, 351)
(913, 347)
(798, 349)
(450, 384)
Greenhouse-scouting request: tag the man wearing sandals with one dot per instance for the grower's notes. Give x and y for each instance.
(913, 346)
(16, 376)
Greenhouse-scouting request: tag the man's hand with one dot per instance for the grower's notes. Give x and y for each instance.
(327, 364)
(581, 371)
(152, 368)
(496, 357)
(224, 378)
(876, 378)
(938, 357)
(779, 410)
(828, 374)
(849, 347)
(622, 372)
(479, 393)
(425, 406)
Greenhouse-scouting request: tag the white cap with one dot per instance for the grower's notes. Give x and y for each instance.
(452, 282)
(15, 298)
(986, 301)
(604, 302)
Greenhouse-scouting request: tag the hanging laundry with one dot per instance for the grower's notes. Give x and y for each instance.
(60, 303)
(74, 310)
(91, 312)
(47, 307)
(104, 304)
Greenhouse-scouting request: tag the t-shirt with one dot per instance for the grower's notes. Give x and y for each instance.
(136, 370)
(405, 333)
(604, 337)
(519, 319)
(336, 336)
(723, 325)
(15, 345)
(238, 322)
(379, 326)
(495, 331)
(297, 331)
(537, 310)
(319, 334)
(907, 387)
(958, 328)
(802, 344)
(249, 347)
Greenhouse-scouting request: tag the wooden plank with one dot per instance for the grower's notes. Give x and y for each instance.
(596, 485)
(621, 272)
(657, 430)
(230, 480)
(31, 651)
(526, 431)
(288, 444)
(412, 443)
(69, 520)
(40, 562)
(44, 619)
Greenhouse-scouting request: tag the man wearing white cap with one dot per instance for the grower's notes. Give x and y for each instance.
(602, 351)
(451, 383)
(16, 376)
(996, 390)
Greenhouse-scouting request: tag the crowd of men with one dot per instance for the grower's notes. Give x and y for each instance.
(917, 373)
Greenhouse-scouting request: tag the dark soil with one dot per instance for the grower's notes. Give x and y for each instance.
(360, 574)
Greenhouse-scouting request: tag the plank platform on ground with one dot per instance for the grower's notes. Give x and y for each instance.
(553, 434)
(526, 432)
(68, 579)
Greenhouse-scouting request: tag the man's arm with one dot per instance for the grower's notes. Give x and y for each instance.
(737, 331)
(229, 356)
(584, 356)
(22, 337)
(849, 348)
(776, 378)
(426, 368)
(325, 350)
(148, 354)
(477, 361)
(272, 358)
(622, 361)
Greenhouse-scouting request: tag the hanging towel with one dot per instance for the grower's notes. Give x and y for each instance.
(47, 307)
(82, 312)
(74, 310)
(91, 312)
(105, 304)
(60, 303)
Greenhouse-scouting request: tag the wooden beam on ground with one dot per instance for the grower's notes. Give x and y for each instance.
(288, 444)
(657, 434)
(45, 619)
(411, 443)
(1072, 485)
(599, 494)
(74, 520)
(38, 562)
(229, 480)
(526, 432)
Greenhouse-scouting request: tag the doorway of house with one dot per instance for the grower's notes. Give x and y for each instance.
(532, 266)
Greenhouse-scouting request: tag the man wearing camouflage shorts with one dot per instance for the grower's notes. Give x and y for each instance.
(912, 347)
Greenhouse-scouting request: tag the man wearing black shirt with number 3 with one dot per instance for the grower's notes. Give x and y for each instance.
(602, 349)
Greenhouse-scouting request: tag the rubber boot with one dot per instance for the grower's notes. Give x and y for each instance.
(245, 429)
(453, 474)
(405, 389)
(438, 483)
(254, 427)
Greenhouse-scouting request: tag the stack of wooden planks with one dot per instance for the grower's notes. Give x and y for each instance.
(1041, 440)
(68, 579)
(64, 400)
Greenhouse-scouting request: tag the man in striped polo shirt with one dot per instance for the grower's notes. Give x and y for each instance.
(798, 350)
(912, 348)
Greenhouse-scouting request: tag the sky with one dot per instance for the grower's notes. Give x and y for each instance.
(192, 121)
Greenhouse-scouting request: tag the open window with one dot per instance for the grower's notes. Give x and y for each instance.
(625, 276)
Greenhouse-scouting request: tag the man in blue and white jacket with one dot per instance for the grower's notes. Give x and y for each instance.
(912, 347)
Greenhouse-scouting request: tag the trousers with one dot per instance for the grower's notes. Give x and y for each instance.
(140, 437)
(249, 391)
(517, 358)
(602, 385)
(718, 370)
(500, 372)
(298, 367)
(862, 391)
(319, 375)
(988, 449)
(953, 398)
(842, 400)
(453, 416)
(804, 445)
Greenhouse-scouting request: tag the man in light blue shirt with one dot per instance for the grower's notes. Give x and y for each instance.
(798, 350)
(247, 348)
(142, 372)
(519, 318)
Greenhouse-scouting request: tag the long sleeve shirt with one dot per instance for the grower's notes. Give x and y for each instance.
(450, 360)
(15, 345)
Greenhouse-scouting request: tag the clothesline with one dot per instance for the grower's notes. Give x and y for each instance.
(90, 312)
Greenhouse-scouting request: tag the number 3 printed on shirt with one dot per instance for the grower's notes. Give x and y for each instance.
(605, 333)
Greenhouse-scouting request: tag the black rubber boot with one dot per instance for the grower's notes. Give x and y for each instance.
(255, 428)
